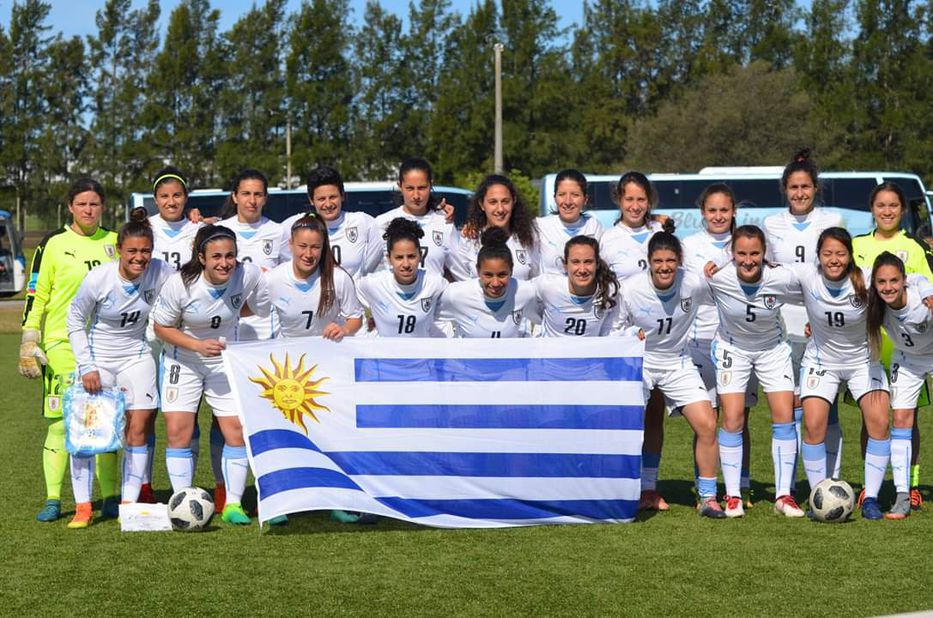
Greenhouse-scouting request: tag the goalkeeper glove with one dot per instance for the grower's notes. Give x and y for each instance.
(30, 354)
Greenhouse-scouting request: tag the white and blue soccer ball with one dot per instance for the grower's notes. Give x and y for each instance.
(190, 509)
(832, 501)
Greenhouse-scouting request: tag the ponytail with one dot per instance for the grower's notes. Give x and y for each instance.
(137, 227)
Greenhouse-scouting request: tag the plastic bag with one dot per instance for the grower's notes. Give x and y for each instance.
(94, 424)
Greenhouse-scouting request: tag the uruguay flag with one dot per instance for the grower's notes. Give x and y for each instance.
(460, 433)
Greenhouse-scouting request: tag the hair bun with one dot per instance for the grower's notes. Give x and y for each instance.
(802, 155)
(139, 215)
(493, 236)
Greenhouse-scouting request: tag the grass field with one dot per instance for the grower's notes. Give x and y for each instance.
(669, 564)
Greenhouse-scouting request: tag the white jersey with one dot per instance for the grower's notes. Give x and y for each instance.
(205, 311)
(524, 259)
(475, 315)
(625, 249)
(439, 243)
(173, 240)
(296, 300)
(553, 234)
(355, 240)
(910, 327)
(402, 310)
(792, 239)
(108, 316)
(264, 243)
(566, 315)
(749, 314)
(665, 316)
(699, 249)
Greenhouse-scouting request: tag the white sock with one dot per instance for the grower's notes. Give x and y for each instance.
(814, 462)
(82, 478)
(179, 461)
(217, 451)
(900, 458)
(730, 457)
(134, 467)
(235, 466)
(877, 455)
(783, 455)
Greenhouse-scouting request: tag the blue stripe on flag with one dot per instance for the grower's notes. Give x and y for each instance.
(508, 508)
(498, 369)
(500, 416)
(301, 478)
(271, 439)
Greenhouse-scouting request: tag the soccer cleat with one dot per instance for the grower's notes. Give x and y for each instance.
(901, 507)
(146, 495)
(353, 517)
(220, 497)
(861, 499)
(734, 507)
(83, 516)
(278, 520)
(787, 506)
(51, 511)
(651, 500)
(110, 509)
(710, 508)
(746, 493)
(234, 514)
(870, 508)
(916, 499)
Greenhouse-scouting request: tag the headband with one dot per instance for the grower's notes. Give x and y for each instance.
(220, 233)
(297, 225)
(168, 176)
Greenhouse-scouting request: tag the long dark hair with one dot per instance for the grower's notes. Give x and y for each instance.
(607, 285)
(412, 164)
(137, 227)
(192, 269)
(876, 306)
(230, 207)
(855, 273)
(521, 222)
(326, 265)
(724, 189)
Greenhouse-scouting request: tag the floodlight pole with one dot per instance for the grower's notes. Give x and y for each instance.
(497, 156)
(288, 151)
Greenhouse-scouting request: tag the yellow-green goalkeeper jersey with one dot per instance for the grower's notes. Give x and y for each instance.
(61, 262)
(916, 254)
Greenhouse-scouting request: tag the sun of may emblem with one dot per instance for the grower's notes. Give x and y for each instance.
(292, 390)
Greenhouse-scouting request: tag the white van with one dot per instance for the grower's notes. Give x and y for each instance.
(758, 194)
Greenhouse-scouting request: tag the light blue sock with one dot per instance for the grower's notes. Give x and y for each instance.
(179, 462)
(706, 487)
(814, 462)
(877, 455)
(730, 458)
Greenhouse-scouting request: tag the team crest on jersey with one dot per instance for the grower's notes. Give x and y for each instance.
(725, 377)
(522, 256)
(921, 327)
(770, 301)
(235, 300)
(517, 317)
(686, 304)
(902, 255)
(438, 238)
(267, 247)
(171, 394)
(352, 234)
(149, 296)
(111, 251)
(426, 304)
(54, 403)
(855, 301)
(813, 381)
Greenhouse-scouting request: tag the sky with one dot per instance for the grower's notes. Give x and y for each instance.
(76, 17)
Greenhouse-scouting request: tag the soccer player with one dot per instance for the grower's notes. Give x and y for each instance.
(196, 313)
(584, 301)
(888, 205)
(495, 304)
(354, 237)
(438, 245)
(61, 262)
(496, 203)
(403, 299)
(570, 220)
(749, 293)
(107, 331)
(662, 304)
(792, 236)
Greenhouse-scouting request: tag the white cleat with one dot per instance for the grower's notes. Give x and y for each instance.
(787, 506)
(734, 506)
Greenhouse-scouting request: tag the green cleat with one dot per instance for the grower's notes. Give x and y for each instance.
(52, 511)
(234, 514)
(279, 520)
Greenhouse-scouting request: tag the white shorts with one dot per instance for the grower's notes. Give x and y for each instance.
(908, 374)
(681, 386)
(703, 360)
(734, 367)
(815, 381)
(136, 378)
(797, 348)
(183, 381)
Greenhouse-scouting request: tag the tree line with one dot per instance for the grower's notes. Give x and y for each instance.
(667, 85)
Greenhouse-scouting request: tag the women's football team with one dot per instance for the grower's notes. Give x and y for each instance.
(797, 307)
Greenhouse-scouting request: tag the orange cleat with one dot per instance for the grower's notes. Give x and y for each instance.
(916, 499)
(220, 497)
(83, 516)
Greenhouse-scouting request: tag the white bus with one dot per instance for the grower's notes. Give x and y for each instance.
(758, 194)
(12, 260)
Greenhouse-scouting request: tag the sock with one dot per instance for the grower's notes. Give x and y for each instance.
(235, 465)
(730, 457)
(877, 456)
(649, 471)
(82, 478)
(706, 487)
(915, 475)
(833, 442)
(150, 451)
(135, 461)
(798, 430)
(108, 474)
(900, 458)
(746, 480)
(814, 462)
(195, 445)
(783, 455)
(217, 450)
(180, 471)
(54, 460)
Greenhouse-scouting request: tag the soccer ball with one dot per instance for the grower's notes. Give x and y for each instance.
(190, 509)
(832, 501)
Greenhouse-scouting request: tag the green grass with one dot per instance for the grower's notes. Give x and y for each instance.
(669, 564)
